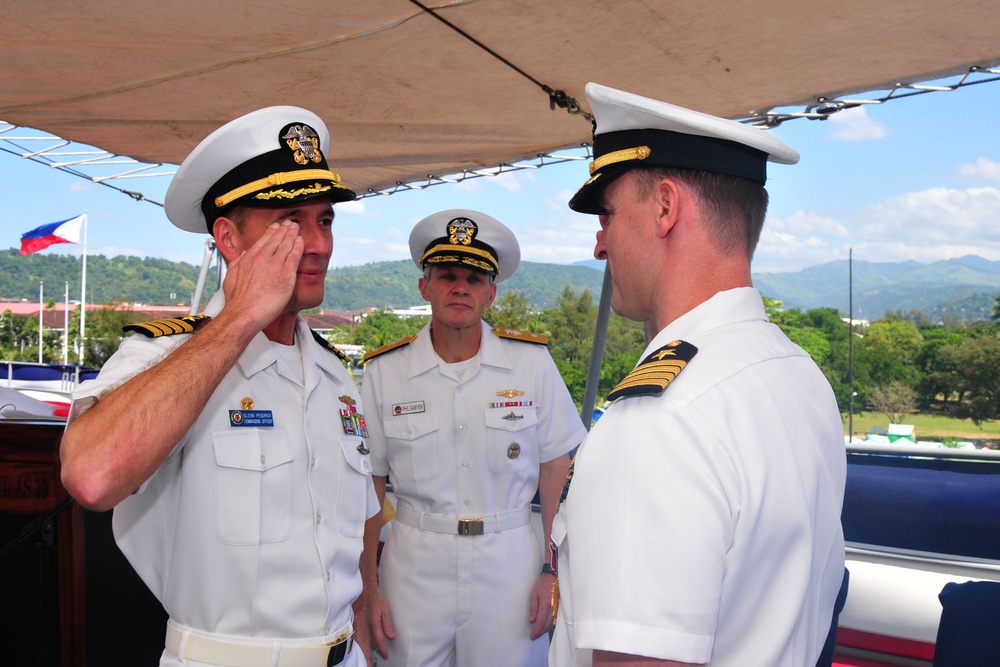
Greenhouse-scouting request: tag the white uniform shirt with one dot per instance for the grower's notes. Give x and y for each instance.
(446, 442)
(252, 531)
(703, 524)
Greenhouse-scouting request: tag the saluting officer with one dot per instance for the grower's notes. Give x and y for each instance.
(239, 498)
(466, 421)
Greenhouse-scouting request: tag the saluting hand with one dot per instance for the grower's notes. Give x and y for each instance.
(260, 281)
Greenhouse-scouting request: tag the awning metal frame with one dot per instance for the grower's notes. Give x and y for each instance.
(112, 170)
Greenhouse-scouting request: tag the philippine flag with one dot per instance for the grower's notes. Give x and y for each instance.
(40, 238)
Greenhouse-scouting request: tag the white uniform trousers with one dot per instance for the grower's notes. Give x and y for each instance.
(461, 601)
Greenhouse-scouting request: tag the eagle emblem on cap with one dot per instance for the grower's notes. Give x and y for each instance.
(461, 231)
(304, 143)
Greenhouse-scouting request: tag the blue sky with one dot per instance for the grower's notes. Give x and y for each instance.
(911, 179)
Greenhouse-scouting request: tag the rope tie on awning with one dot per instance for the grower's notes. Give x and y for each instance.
(557, 98)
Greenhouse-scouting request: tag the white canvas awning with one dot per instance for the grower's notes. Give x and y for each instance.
(408, 96)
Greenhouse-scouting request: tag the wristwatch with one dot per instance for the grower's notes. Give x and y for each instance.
(547, 569)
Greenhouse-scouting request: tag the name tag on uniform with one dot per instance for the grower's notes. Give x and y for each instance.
(254, 418)
(407, 408)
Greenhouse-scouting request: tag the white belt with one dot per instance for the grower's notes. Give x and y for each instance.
(465, 526)
(188, 644)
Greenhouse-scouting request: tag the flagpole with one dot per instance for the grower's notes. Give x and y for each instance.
(40, 302)
(83, 294)
(66, 325)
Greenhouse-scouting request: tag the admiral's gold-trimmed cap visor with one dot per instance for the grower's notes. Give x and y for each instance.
(271, 157)
(468, 238)
(633, 131)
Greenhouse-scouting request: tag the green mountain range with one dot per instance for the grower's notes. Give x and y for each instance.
(963, 288)
(960, 288)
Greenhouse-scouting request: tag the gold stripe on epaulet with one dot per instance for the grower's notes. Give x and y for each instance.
(329, 346)
(170, 326)
(517, 334)
(395, 345)
(656, 371)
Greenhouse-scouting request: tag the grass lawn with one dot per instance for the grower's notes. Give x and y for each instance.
(929, 426)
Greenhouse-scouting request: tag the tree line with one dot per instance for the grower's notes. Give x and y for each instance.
(897, 364)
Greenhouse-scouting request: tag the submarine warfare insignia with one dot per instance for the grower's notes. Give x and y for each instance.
(510, 393)
(656, 371)
(169, 326)
(354, 422)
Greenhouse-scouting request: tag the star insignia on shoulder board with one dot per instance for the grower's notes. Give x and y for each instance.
(656, 371)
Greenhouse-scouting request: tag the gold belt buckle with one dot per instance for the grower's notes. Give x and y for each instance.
(470, 526)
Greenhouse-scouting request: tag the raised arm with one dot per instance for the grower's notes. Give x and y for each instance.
(121, 440)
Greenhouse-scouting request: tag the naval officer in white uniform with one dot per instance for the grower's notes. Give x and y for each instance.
(466, 422)
(231, 444)
(701, 524)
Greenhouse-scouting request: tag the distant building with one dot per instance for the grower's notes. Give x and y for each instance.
(855, 323)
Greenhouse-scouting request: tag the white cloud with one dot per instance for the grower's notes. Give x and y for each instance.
(982, 168)
(927, 226)
(80, 186)
(855, 125)
(356, 207)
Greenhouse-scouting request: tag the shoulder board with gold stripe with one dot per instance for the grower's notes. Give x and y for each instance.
(395, 345)
(517, 334)
(329, 346)
(170, 326)
(656, 371)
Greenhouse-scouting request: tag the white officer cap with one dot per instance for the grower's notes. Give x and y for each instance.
(470, 238)
(268, 158)
(633, 131)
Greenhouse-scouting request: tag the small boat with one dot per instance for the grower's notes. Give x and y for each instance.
(916, 518)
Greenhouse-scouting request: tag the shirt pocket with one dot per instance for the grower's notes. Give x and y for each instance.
(411, 446)
(512, 440)
(253, 486)
(352, 492)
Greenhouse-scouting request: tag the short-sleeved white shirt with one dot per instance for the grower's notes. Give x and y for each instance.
(702, 524)
(446, 443)
(252, 531)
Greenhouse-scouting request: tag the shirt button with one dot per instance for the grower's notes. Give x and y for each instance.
(468, 502)
(262, 459)
(312, 462)
(465, 465)
(319, 518)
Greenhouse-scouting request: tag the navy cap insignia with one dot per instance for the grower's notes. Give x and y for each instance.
(304, 143)
(462, 231)
(656, 371)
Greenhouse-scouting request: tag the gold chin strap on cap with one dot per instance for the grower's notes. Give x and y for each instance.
(275, 179)
(491, 261)
(639, 153)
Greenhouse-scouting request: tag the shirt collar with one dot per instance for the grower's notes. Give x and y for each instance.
(423, 357)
